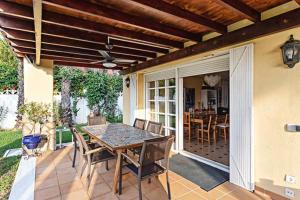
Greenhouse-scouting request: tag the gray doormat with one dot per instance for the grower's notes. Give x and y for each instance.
(205, 176)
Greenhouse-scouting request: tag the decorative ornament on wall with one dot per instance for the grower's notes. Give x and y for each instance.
(212, 80)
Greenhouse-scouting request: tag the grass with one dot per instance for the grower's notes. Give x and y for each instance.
(8, 166)
(67, 135)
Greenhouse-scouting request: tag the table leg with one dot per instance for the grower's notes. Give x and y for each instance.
(116, 177)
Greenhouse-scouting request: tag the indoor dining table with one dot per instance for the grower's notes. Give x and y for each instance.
(117, 138)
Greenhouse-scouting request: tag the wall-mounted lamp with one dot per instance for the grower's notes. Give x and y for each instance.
(127, 82)
(291, 52)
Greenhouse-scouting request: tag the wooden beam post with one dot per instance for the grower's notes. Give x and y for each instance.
(273, 25)
(241, 8)
(37, 13)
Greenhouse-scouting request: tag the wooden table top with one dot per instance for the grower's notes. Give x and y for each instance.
(119, 136)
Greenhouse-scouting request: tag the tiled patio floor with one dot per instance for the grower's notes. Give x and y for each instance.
(56, 179)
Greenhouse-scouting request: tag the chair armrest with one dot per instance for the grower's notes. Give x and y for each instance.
(131, 159)
(95, 150)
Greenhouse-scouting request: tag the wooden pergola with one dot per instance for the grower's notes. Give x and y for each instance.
(70, 32)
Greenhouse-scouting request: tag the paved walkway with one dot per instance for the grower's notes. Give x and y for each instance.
(56, 179)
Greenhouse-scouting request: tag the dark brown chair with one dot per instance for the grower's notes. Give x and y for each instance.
(96, 120)
(154, 127)
(140, 123)
(91, 156)
(148, 164)
(75, 142)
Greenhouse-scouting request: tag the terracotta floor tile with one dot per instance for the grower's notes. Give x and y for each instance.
(47, 193)
(64, 165)
(67, 178)
(227, 187)
(96, 179)
(244, 194)
(45, 170)
(212, 194)
(45, 176)
(191, 196)
(178, 189)
(188, 184)
(107, 196)
(157, 194)
(78, 195)
(98, 190)
(70, 187)
(129, 193)
(46, 183)
(67, 170)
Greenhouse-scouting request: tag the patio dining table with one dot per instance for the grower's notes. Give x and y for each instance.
(117, 138)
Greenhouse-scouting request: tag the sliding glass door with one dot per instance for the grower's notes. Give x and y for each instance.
(161, 103)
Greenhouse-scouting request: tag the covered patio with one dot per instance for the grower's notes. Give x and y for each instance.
(147, 42)
(56, 179)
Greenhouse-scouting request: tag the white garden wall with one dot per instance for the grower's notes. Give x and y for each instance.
(11, 100)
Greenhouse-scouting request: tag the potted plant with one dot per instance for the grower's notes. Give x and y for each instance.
(37, 114)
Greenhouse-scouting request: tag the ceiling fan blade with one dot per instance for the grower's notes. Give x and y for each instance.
(96, 62)
(123, 60)
(104, 54)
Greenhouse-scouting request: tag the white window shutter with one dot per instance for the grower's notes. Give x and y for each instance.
(241, 122)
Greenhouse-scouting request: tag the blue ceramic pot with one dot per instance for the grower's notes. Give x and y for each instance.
(31, 141)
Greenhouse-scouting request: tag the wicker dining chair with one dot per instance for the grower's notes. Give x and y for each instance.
(91, 156)
(140, 123)
(75, 142)
(154, 127)
(149, 162)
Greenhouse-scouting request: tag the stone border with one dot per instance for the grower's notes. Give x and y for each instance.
(23, 186)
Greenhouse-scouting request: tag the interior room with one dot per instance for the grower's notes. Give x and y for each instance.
(206, 116)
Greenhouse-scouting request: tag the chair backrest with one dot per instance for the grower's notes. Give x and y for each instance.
(215, 119)
(156, 149)
(83, 147)
(96, 120)
(207, 119)
(154, 127)
(139, 123)
(226, 121)
(186, 117)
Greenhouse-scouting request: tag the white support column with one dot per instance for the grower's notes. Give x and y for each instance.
(38, 87)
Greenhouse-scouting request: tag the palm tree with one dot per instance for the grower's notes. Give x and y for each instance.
(20, 84)
(66, 100)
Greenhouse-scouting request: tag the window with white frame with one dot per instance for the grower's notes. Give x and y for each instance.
(161, 104)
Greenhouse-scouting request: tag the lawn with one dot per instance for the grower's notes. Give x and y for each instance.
(8, 166)
(67, 135)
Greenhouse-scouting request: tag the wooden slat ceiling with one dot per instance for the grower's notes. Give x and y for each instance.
(74, 30)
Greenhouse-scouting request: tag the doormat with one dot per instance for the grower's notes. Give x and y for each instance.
(207, 177)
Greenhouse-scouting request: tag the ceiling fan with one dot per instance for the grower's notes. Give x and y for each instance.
(109, 61)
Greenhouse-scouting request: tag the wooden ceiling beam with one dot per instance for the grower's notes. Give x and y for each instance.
(80, 64)
(76, 23)
(182, 13)
(53, 29)
(273, 25)
(101, 11)
(57, 48)
(119, 46)
(64, 32)
(72, 55)
(241, 8)
(37, 16)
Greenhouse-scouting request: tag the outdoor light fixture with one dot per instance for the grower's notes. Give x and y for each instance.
(291, 52)
(127, 82)
(109, 64)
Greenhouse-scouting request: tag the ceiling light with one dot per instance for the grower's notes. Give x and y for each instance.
(109, 64)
